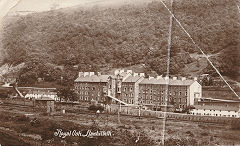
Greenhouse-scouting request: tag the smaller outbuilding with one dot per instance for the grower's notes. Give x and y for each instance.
(221, 111)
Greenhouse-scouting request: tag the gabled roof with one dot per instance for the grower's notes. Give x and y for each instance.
(132, 79)
(152, 81)
(93, 78)
(180, 82)
(163, 82)
(222, 108)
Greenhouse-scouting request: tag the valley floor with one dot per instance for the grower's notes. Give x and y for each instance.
(17, 129)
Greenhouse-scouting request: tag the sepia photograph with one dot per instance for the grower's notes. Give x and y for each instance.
(119, 72)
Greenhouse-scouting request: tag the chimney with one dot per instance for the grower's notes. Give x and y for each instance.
(91, 74)
(195, 78)
(183, 78)
(135, 74)
(85, 74)
(174, 78)
(129, 71)
(80, 74)
(142, 74)
(166, 78)
(121, 71)
(98, 73)
(159, 77)
(149, 78)
(116, 72)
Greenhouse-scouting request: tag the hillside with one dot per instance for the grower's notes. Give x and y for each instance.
(123, 36)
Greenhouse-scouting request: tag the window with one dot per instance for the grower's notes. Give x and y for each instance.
(131, 89)
(180, 93)
(186, 93)
(93, 88)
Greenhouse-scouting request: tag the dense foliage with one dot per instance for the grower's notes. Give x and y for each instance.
(119, 37)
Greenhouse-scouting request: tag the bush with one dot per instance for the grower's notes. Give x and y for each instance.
(96, 107)
(235, 124)
(22, 118)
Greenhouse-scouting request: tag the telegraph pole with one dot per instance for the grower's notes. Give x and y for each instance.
(167, 76)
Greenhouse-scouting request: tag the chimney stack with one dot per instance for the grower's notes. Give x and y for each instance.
(91, 74)
(142, 74)
(121, 71)
(80, 74)
(135, 74)
(159, 77)
(129, 71)
(166, 78)
(195, 78)
(85, 74)
(183, 78)
(149, 78)
(116, 72)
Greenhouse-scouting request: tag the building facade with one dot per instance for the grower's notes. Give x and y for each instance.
(134, 89)
(220, 111)
(38, 93)
(154, 92)
(89, 86)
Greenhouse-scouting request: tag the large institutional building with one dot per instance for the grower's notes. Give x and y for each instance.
(132, 88)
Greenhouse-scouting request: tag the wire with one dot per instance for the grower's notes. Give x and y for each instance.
(199, 48)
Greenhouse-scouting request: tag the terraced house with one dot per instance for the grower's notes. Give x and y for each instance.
(181, 93)
(128, 87)
(89, 86)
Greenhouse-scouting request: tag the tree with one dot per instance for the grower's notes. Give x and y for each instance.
(67, 94)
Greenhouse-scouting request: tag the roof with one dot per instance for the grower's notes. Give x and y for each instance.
(42, 93)
(219, 100)
(93, 78)
(132, 79)
(180, 82)
(223, 108)
(163, 81)
(152, 81)
(45, 99)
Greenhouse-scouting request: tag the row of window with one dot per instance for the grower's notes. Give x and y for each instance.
(127, 95)
(129, 101)
(86, 98)
(162, 98)
(86, 88)
(208, 114)
(87, 93)
(161, 87)
(162, 92)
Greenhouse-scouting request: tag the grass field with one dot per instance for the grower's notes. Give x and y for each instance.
(38, 128)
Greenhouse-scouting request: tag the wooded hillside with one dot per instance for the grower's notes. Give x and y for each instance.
(120, 37)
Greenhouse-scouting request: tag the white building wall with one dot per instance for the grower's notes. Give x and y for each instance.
(195, 91)
(219, 113)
